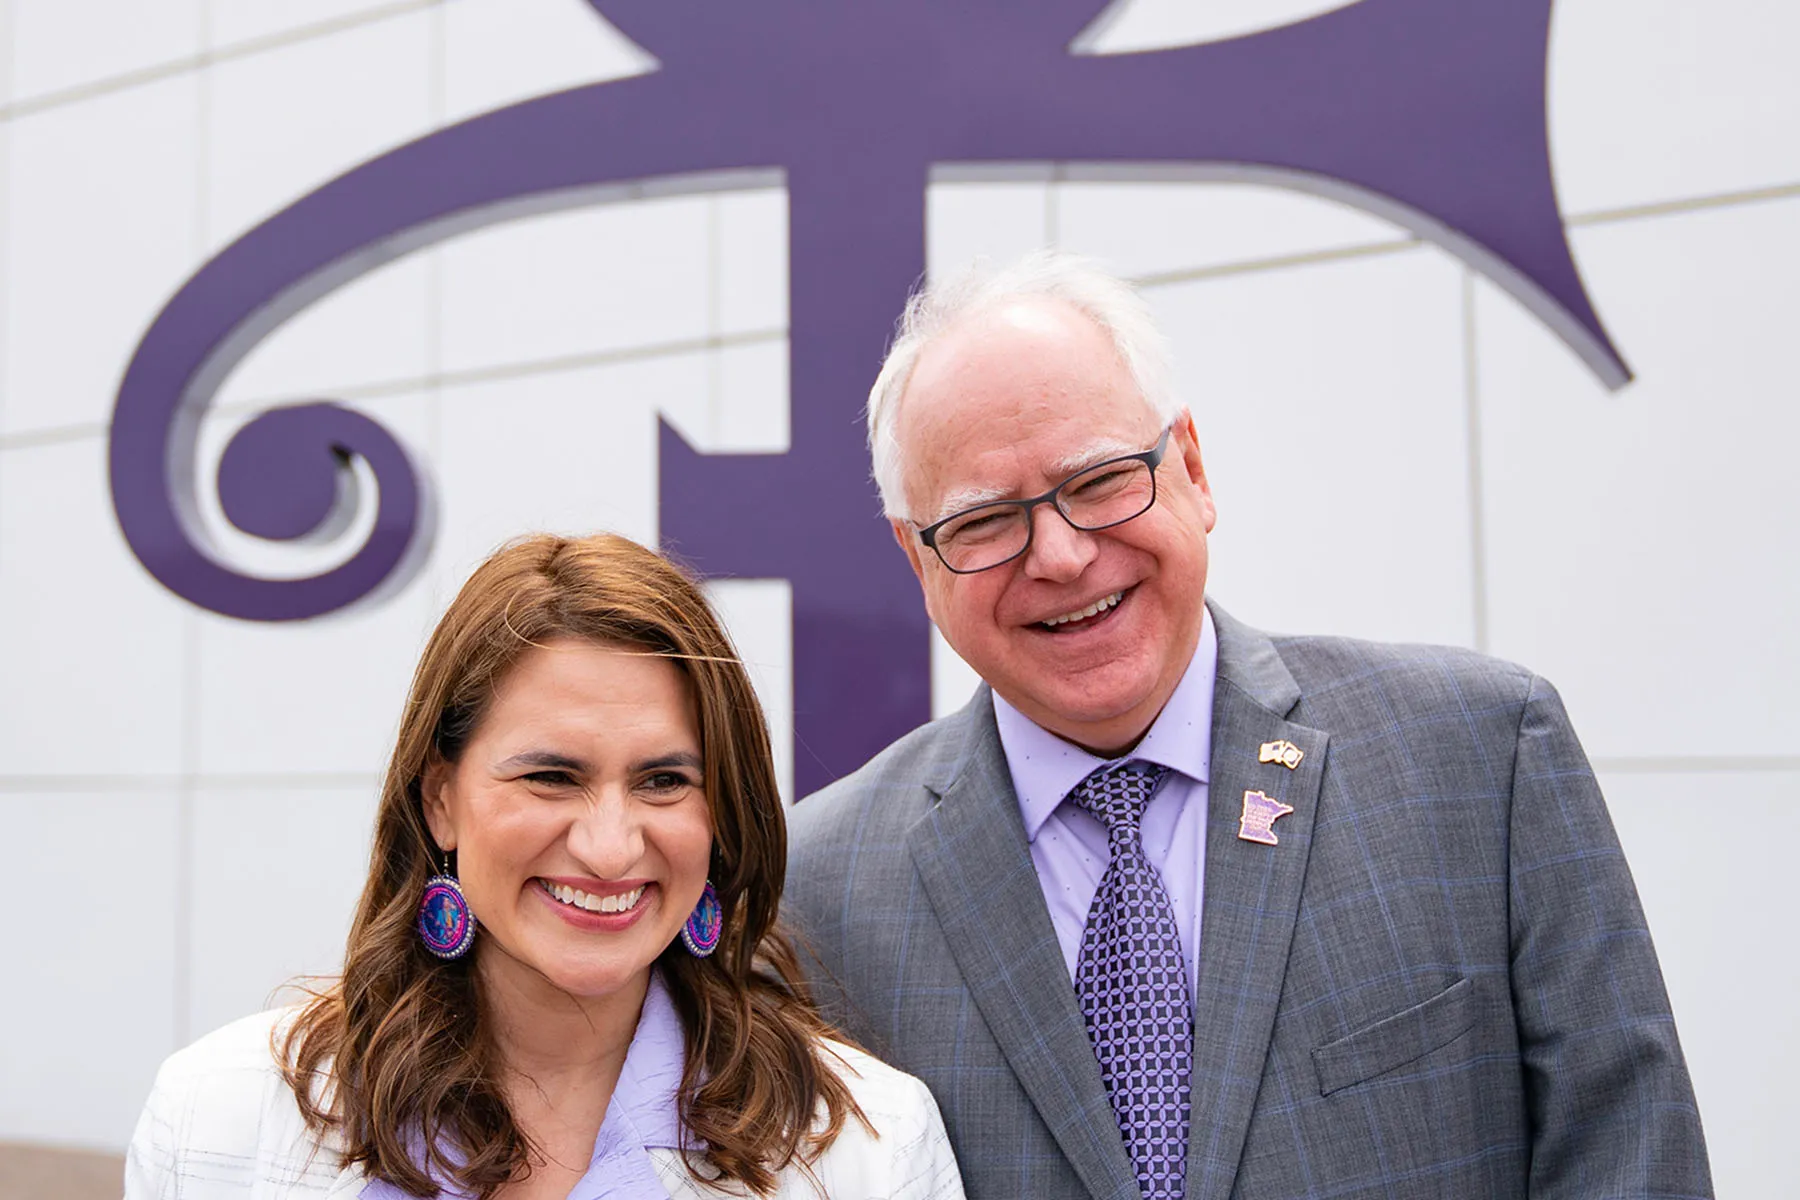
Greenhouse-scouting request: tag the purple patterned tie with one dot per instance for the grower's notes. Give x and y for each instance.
(1133, 985)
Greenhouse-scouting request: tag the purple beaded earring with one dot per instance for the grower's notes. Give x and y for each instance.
(704, 925)
(445, 924)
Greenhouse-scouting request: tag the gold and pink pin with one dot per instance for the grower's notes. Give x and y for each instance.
(1283, 752)
(1260, 815)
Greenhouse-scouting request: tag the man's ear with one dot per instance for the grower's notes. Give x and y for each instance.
(434, 791)
(911, 547)
(1187, 440)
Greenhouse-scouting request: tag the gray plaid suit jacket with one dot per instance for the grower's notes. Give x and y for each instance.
(1439, 983)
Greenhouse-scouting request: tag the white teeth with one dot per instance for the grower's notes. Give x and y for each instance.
(617, 903)
(1093, 610)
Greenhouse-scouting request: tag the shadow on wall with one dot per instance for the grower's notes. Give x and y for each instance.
(44, 1173)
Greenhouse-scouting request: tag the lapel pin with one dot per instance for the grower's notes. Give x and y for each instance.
(1283, 752)
(1260, 815)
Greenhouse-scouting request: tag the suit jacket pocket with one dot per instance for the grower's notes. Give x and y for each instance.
(1400, 1039)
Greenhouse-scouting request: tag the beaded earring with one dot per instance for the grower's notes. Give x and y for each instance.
(704, 925)
(445, 924)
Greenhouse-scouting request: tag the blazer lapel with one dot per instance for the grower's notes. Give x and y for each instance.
(971, 853)
(1251, 896)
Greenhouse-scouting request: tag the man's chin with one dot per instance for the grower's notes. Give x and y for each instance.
(1095, 719)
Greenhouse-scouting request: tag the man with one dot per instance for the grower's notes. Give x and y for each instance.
(1176, 908)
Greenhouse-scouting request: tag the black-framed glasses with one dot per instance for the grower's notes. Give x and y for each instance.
(1101, 496)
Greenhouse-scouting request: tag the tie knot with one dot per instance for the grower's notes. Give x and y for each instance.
(1116, 796)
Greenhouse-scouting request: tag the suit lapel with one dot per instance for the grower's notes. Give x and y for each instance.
(971, 853)
(1251, 896)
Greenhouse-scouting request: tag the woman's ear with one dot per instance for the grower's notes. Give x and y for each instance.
(434, 791)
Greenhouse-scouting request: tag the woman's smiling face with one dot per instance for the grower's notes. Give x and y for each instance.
(579, 818)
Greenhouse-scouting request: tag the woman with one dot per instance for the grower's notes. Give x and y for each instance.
(564, 977)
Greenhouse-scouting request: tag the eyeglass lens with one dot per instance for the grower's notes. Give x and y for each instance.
(1106, 495)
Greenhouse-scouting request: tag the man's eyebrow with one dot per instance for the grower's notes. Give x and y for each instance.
(548, 760)
(1094, 452)
(967, 497)
(1069, 464)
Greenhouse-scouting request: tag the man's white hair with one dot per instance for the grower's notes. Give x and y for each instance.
(1103, 298)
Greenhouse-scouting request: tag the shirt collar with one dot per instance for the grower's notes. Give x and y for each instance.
(650, 1081)
(1045, 768)
(642, 1115)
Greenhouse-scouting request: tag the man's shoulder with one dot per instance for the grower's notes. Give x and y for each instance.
(1352, 672)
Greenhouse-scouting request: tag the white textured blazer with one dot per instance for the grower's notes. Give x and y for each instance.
(222, 1124)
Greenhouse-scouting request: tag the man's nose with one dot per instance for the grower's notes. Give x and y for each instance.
(607, 838)
(1059, 551)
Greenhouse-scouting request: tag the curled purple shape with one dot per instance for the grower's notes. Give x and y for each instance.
(1426, 111)
(284, 476)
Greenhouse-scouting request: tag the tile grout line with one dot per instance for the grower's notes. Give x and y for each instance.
(715, 318)
(389, 388)
(186, 851)
(1477, 488)
(1698, 764)
(198, 782)
(6, 84)
(1689, 204)
(250, 47)
(438, 103)
(307, 780)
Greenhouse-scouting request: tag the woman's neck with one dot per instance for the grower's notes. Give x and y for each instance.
(560, 1058)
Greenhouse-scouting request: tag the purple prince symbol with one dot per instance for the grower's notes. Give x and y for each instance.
(1428, 112)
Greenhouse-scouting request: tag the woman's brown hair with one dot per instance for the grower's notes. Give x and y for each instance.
(396, 1058)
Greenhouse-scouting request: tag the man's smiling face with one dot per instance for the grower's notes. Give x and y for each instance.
(1007, 404)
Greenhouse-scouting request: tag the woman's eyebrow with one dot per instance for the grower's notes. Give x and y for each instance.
(542, 760)
(680, 758)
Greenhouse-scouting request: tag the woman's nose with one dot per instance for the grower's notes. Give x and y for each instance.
(607, 838)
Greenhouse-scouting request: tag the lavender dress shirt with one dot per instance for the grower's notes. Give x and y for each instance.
(1068, 846)
(642, 1114)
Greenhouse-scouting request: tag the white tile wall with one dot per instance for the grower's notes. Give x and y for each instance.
(1640, 543)
(62, 44)
(752, 273)
(604, 278)
(1712, 855)
(497, 52)
(91, 1007)
(377, 329)
(101, 230)
(1654, 100)
(91, 647)
(1329, 400)
(277, 872)
(751, 410)
(231, 23)
(567, 451)
(998, 220)
(283, 121)
(310, 696)
(758, 615)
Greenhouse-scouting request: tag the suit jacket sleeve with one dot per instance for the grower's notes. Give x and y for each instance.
(1611, 1108)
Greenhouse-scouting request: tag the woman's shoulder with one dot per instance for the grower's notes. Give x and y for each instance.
(902, 1154)
(221, 1108)
(877, 1086)
(241, 1049)
(904, 1151)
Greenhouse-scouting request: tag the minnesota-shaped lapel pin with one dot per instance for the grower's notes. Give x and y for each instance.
(1260, 815)
(1283, 752)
